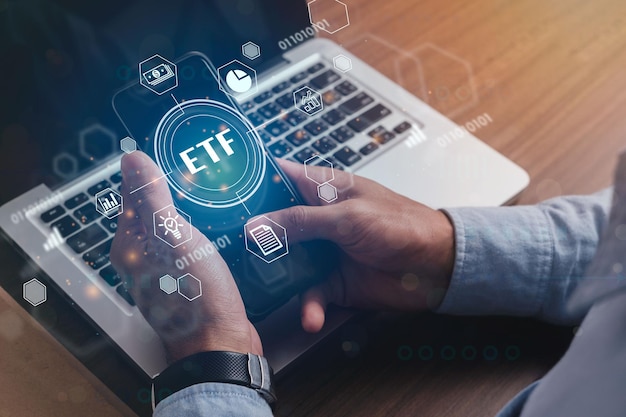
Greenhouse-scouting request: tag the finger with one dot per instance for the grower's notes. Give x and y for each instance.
(148, 191)
(304, 223)
(307, 178)
(314, 302)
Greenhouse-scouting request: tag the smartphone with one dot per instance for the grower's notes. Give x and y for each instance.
(222, 178)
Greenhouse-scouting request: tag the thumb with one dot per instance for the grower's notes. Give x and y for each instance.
(304, 223)
(144, 188)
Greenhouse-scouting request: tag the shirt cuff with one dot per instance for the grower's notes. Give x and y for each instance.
(215, 399)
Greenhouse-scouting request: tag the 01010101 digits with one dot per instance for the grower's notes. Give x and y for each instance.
(302, 35)
(203, 252)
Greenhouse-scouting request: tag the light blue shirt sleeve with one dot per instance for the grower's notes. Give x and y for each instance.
(213, 399)
(524, 260)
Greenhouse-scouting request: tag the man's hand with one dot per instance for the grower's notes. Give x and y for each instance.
(397, 254)
(216, 320)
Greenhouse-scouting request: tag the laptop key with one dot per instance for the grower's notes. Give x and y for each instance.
(109, 224)
(280, 149)
(316, 127)
(98, 187)
(54, 213)
(285, 101)
(316, 68)
(342, 134)
(116, 178)
(87, 238)
(298, 77)
(98, 256)
(248, 105)
(325, 79)
(324, 145)
(298, 138)
(110, 275)
(76, 201)
(402, 127)
(269, 110)
(121, 290)
(265, 137)
(330, 97)
(66, 225)
(333, 117)
(255, 118)
(336, 164)
(345, 88)
(277, 128)
(279, 88)
(356, 103)
(369, 148)
(295, 118)
(264, 96)
(87, 213)
(381, 135)
(369, 117)
(347, 156)
(304, 154)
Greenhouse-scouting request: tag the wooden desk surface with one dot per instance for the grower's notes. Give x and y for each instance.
(550, 75)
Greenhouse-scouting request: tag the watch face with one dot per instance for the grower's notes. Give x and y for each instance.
(213, 156)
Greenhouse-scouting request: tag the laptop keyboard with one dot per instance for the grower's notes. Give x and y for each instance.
(287, 132)
(331, 133)
(88, 233)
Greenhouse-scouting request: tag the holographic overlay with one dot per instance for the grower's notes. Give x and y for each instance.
(203, 252)
(304, 34)
(212, 155)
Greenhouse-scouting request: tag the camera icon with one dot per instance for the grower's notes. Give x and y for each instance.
(158, 74)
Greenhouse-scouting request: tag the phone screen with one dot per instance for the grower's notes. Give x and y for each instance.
(222, 179)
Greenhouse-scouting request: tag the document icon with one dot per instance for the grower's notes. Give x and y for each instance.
(266, 239)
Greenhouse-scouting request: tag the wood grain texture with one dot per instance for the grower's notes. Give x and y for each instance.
(551, 75)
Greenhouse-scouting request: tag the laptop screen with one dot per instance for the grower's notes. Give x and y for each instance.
(64, 59)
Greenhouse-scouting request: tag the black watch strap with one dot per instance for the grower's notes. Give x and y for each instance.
(248, 370)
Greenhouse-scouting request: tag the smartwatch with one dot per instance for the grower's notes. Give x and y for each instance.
(245, 369)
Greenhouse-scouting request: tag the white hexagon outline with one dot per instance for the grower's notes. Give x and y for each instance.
(327, 185)
(321, 27)
(183, 295)
(318, 156)
(107, 191)
(342, 56)
(250, 57)
(128, 139)
(164, 277)
(220, 79)
(88, 130)
(30, 283)
(295, 100)
(180, 212)
(245, 235)
(149, 87)
(57, 159)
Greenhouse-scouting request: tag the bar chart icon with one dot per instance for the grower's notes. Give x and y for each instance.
(109, 203)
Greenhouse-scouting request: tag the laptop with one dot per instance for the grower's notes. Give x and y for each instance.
(84, 53)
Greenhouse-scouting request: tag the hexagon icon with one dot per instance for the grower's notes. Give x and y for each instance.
(327, 192)
(237, 79)
(158, 74)
(308, 100)
(109, 203)
(328, 15)
(96, 142)
(34, 292)
(266, 239)
(251, 50)
(168, 284)
(319, 176)
(189, 287)
(65, 165)
(172, 226)
(128, 145)
(342, 63)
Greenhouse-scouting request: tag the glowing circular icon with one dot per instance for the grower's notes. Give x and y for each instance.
(238, 80)
(210, 153)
